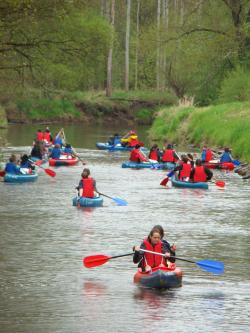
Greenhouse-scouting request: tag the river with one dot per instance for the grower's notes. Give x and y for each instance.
(44, 287)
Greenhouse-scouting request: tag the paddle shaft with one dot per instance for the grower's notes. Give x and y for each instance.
(104, 195)
(122, 255)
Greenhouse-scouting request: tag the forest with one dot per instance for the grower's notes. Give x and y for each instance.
(194, 48)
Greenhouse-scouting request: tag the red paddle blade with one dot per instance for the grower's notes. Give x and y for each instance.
(38, 162)
(93, 261)
(220, 183)
(49, 172)
(2, 173)
(164, 181)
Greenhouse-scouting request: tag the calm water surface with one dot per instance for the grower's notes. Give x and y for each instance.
(43, 238)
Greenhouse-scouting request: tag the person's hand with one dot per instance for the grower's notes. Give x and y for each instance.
(167, 255)
(148, 268)
(173, 247)
(136, 248)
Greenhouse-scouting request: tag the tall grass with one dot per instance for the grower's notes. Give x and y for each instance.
(220, 125)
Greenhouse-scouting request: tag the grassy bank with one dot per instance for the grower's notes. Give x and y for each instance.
(136, 106)
(218, 125)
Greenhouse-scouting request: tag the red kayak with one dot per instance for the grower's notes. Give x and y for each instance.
(160, 277)
(63, 162)
(224, 166)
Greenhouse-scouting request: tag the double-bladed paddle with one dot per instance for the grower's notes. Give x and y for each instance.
(165, 180)
(2, 173)
(211, 266)
(118, 201)
(49, 172)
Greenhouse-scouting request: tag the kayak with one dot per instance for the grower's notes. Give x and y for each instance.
(179, 183)
(143, 165)
(118, 147)
(218, 165)
(160, 277)
(20, 178)
(88, 202)
(63, 161)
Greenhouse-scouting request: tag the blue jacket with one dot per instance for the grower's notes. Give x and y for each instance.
(58, 141)
(68, 150)
(226, 157)
(11, 168)
(56, 152)
(203, 155)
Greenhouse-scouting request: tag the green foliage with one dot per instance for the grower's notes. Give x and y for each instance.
(220, 125)
(236, 86)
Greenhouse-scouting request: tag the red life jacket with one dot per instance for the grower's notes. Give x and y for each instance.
(46, 136)
(88, 187)
(209, 155)
(200, 174)
(137, 156)
(168, 156)
(185, 171)
(153, 155)
(133, 143)
(39, 136)
(152, 260)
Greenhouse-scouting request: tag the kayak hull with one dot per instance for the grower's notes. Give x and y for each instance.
(148, 165)
(88, 202)
(63, 162)
(106, 146)
(161, 278)
(223, 166)
(178, 183)
(16, 178)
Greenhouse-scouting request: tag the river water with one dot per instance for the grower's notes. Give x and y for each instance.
(43, 238)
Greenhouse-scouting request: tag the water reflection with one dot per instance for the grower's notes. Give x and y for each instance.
(92, 289)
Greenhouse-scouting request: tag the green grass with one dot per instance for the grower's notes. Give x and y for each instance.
(218, 125)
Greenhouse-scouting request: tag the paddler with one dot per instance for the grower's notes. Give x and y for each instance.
(206, 154)
(226, 156)
(154, 153)
(184, 167)
(136, 155)
(169, 155)
(87, 185)
(199, 173)
(11, 166)
(56, 152)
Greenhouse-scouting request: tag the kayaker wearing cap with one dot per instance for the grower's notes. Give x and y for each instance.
(147, 261)
(136, 155)
(169, 155)
(199, 173)
(226, 156)
(87, 185)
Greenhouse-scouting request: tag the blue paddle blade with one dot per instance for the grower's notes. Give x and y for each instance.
(171, 173)
(236, 162)
(120, 202)
(215, 267)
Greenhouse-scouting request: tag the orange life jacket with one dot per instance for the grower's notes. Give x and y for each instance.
(200, 174)
(150, 259)
(185, 171)
(88, 187)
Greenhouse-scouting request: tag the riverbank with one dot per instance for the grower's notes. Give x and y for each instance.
(216, 125)
(137, 107)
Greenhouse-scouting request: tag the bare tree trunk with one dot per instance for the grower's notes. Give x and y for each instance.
(109, 67)
(102, 7)
(164, 53)
(137, 43)
(127, 46)
(158, 45)
(182, 11)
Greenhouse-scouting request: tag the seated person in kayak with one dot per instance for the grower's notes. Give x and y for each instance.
(56, 152)
(206, 154)
(226, 156)
(47, 137)
(68, 149)
(147, 261)
(170, 248)
(26, 166)
(199, 173)
(154, 153)
(136, 155)
(184, 167)
(39, 135)
(38, 150)
(11, 166)
(87, 185)
(114, 140)
(169, 155)
(131, 140)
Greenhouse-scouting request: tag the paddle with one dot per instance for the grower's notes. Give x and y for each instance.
(74, 151)
(236, 162)
(49, 172)
(100, 259)
(165, 180)
(2, 173)
(120, 202)
(219, 183)
(211, 266)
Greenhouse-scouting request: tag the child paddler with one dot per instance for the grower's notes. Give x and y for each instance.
(87, 185)
(137, 156)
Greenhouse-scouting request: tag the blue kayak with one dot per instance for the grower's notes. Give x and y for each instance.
(134, 165)
(20, 178)
(88, 202)
(178, 183)
(119, 147)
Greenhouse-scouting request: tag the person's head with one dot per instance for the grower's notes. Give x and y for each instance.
(155, 146)
(204, 147)
(57, 146)
(85, 173)
(116, 134)
(160, 229)
(24, 158)
(154, 236)
(198, 162)
(190, 156)
(184, 158)
(12, 158)
(137, 146)
(132, 132)
(39, 131)
(68, 145)
(169, 146)
(47, 129)
(227, 150)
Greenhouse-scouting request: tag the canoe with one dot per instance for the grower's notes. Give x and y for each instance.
(160, 278)
(20, 178)
(178, 183)
(107, 146)
(143, 165)
(88, 202)
(63, 162)
(218, 165)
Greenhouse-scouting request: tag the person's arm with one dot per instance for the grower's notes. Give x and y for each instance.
(208, 173)
(192, 174)
(176, 157)
(138, 255)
